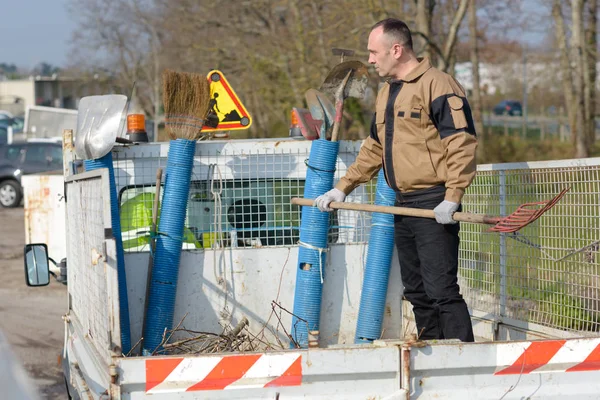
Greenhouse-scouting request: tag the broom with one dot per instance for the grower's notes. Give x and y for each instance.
(186, 99)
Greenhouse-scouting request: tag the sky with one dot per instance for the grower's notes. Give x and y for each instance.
(35, 31)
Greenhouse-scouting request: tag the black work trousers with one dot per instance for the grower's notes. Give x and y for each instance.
(428, 256)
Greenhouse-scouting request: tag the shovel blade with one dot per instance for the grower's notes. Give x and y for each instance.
(98, 122)
(320, 107)
(356, 86)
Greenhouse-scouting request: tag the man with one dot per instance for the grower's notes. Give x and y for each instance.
(423, 136)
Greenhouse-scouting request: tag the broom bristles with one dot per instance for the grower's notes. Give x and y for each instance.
(186, 98)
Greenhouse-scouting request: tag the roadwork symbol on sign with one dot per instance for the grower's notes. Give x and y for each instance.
(225, 105)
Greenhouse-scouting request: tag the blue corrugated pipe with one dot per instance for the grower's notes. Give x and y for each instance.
(377, 270)
(107, 162)
(314, 227)
(163, 286)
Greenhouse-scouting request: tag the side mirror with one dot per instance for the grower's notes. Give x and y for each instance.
(37, 270)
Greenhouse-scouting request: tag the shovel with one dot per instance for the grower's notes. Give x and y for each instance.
(98, 121)
(321, 109)
(347, 79)
(524, 215)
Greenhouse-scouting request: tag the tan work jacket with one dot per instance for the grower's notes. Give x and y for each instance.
(423, 135)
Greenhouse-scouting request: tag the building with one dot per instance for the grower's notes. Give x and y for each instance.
(54, 91)
(497, 78)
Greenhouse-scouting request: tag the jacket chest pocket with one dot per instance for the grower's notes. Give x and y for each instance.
(409, 123)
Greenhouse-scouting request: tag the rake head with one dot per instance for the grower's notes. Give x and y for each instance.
(525, 214)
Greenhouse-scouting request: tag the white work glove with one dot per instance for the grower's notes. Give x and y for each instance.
(443, 212)
(324, 200)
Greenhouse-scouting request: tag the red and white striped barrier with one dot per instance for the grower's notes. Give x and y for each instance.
(571, 355)
(165, 375)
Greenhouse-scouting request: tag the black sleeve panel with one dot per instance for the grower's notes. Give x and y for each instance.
(451, 114)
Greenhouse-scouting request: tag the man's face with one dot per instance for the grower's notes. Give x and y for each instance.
(382, 53)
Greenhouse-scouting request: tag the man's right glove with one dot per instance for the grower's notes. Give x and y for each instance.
(324, 200)
(443, 212)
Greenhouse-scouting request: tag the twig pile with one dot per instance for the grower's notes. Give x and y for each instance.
(236, 339)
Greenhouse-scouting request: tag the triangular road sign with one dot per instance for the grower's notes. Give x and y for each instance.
(225, 104)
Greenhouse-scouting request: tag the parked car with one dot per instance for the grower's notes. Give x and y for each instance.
(16, 123)
(3, 135)
(508, 107)
(19, 159)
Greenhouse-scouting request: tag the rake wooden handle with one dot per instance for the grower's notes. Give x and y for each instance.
(409, 212)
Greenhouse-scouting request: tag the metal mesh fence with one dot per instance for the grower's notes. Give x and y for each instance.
(548, 272)
(88, 289)
(239, 197)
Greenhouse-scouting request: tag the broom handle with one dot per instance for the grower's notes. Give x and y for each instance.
(152, 248)
(155, 204)
(409, 212)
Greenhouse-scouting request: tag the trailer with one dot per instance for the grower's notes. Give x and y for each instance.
(533, 296)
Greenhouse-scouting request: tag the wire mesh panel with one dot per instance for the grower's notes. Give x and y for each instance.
(239, 195)
(91, 294)
(548, 272)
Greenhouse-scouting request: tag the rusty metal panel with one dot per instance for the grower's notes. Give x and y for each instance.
(44, 208)
(255, 278)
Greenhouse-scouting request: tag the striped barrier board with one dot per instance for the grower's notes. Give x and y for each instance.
(540, 369)
(167, 375)
(552, 355)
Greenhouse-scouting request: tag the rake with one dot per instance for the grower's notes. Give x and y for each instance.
(524, 215)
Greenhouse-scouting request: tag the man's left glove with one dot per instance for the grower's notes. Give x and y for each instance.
(444, 210)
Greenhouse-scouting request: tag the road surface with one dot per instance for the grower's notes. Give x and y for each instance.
(30, 318)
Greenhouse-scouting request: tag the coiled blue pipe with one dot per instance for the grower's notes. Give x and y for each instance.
(377, 270)
(163, 286)
(314, 226)
(107, 162)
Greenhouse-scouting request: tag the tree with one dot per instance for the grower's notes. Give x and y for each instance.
(8, 68)
(443, 52)
(577, 44)
(122, 36)
(476, 103)
(577, 76)
(45, 69)
(591, 56)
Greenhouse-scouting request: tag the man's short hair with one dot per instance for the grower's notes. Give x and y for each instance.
(397, 30)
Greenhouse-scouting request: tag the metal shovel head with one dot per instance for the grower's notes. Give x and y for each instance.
(357, 84)
(98, 123)
(320, 107)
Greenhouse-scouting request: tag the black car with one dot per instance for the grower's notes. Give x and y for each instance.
(508, 107)
(18, 159)
(3, 135)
